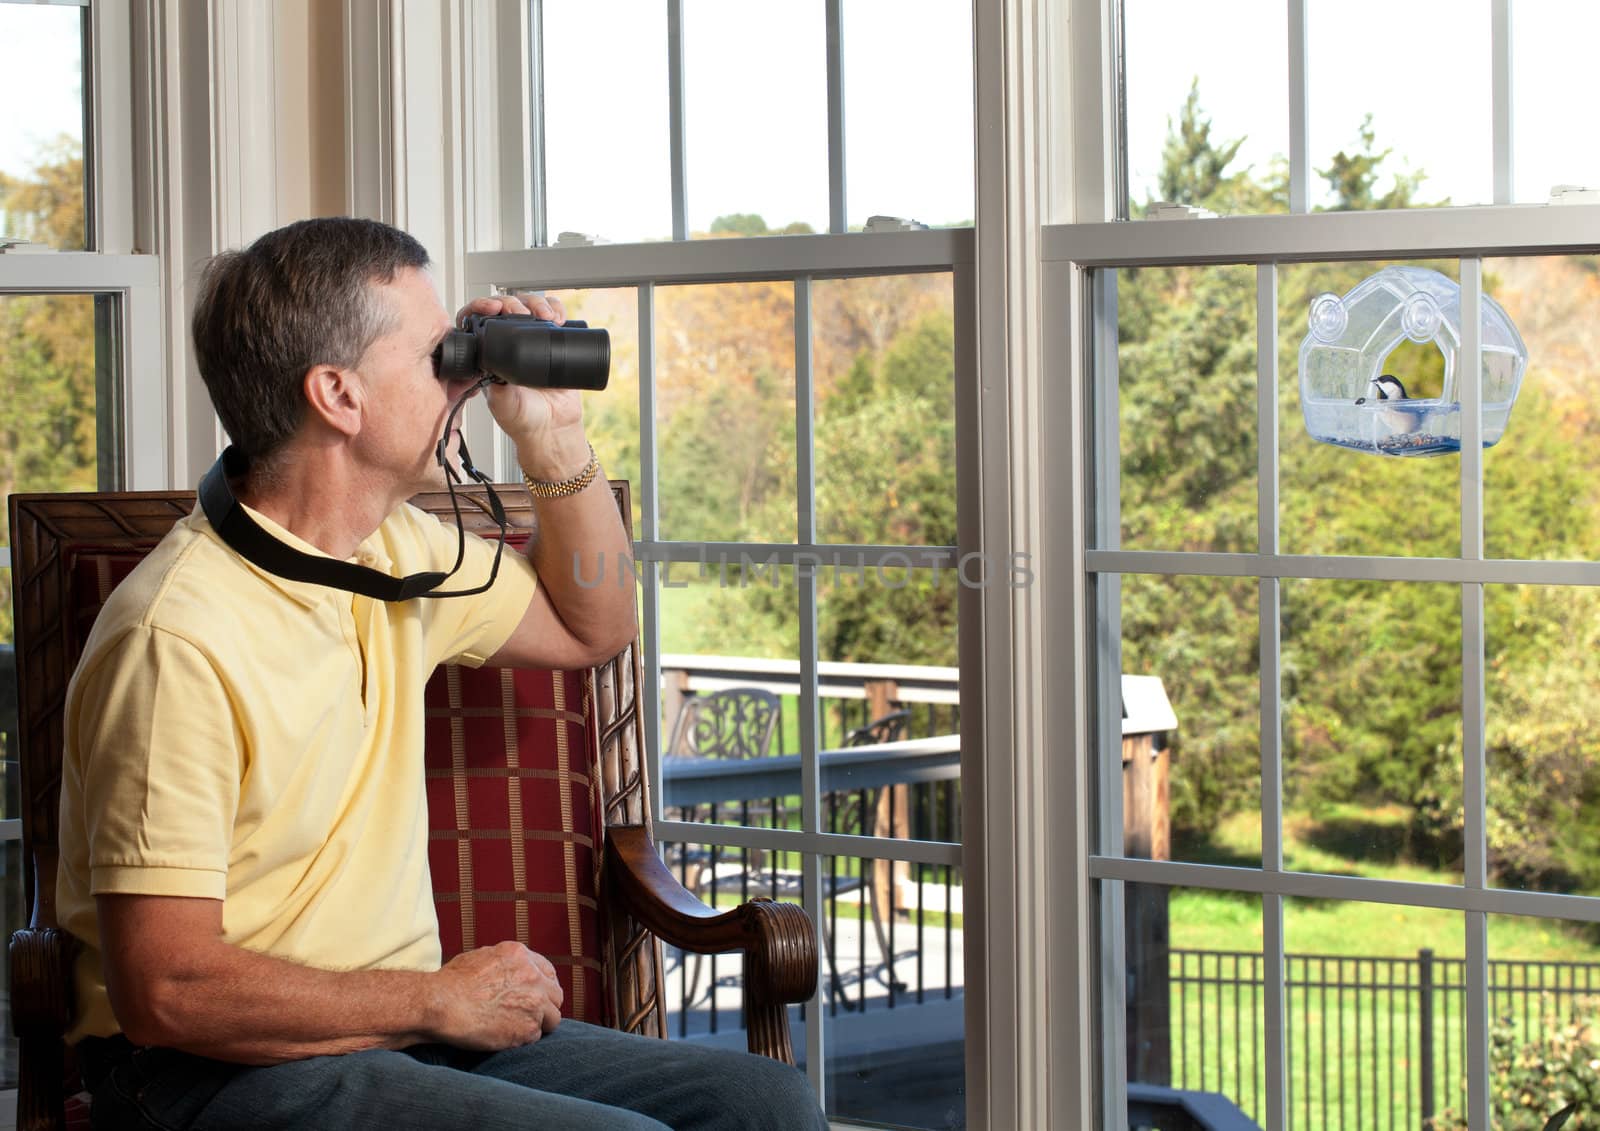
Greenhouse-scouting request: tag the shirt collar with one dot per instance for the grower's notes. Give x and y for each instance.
(369, 553)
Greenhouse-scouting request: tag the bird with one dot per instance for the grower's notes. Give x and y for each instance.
(1389, 388)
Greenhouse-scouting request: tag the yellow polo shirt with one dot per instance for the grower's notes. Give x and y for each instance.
(234, 735)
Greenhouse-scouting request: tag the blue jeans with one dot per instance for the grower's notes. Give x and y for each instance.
(579, 1076)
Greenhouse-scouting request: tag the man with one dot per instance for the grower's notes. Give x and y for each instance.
(243, 837)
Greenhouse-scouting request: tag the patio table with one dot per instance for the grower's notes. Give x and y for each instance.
(700, 781)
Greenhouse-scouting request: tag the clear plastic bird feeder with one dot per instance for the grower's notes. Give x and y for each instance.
(1351, 337)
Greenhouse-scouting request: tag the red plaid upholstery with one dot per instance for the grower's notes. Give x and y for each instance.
(514, 814)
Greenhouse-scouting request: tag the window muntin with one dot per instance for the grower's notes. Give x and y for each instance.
(908, 110)
(42, 168)
(608, 162)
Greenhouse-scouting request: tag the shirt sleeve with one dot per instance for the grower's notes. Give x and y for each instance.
(468, 630)
(151, 730)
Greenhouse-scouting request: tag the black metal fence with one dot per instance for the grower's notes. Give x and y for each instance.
(1371, 1042)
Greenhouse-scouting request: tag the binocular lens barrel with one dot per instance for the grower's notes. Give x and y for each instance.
(522, 350)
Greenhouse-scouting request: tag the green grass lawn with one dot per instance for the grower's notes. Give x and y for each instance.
(1219, 921)
(1372, 1039)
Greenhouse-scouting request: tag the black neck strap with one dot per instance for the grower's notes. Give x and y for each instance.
(233, 523)
(230, 520)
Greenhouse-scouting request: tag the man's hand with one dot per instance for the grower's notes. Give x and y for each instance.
(497, 997)
(546, 425)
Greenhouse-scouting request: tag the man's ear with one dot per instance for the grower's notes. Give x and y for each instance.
(336, 397)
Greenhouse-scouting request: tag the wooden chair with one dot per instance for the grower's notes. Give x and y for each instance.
(579, 881)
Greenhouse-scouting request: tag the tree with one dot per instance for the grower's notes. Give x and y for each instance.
(739, 224)
(1352, 177)
(47, 348)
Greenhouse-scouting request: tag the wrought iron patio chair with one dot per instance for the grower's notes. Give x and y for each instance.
(733, 723)
(858, 810)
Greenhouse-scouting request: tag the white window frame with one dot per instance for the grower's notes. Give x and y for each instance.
(1069, 252)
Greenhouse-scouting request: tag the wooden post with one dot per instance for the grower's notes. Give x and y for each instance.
(893, 816)
(1147, 835)
(674, 690)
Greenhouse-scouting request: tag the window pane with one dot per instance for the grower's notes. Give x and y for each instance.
(886, 636)
(1375, 1013)
(1542, 692)
(1386, 128)
(1541, 479)
(608, 164)
(1371, 729)
(41, 147)
(1552, 45)
(884, 353)
(1342, 500)
(730, 717)
(56, 396)
(893, 993)
(756, 112)
(908, 110)
(1193, 793)
(1196, 1000)
(725, 411)
(611, 417)
(1186, 401)
(1544, 1016)
(704, 994)
(1230, 89)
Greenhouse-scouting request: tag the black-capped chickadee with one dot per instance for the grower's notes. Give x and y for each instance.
(1389, 388)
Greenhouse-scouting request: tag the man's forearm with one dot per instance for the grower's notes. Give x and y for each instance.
(233, 1004)
(585, 563)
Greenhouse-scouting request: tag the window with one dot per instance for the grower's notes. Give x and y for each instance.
(785, 409)
(1369, 105)
(1368, 893)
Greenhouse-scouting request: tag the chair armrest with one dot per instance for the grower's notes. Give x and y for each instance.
(778, 940)
(41, 1010)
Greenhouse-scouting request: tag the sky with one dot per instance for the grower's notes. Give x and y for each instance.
(1420, 67)
(756, 110)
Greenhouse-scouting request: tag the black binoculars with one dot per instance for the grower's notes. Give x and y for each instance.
(520, 349)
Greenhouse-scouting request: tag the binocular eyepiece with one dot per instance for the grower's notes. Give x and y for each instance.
(519, 349)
